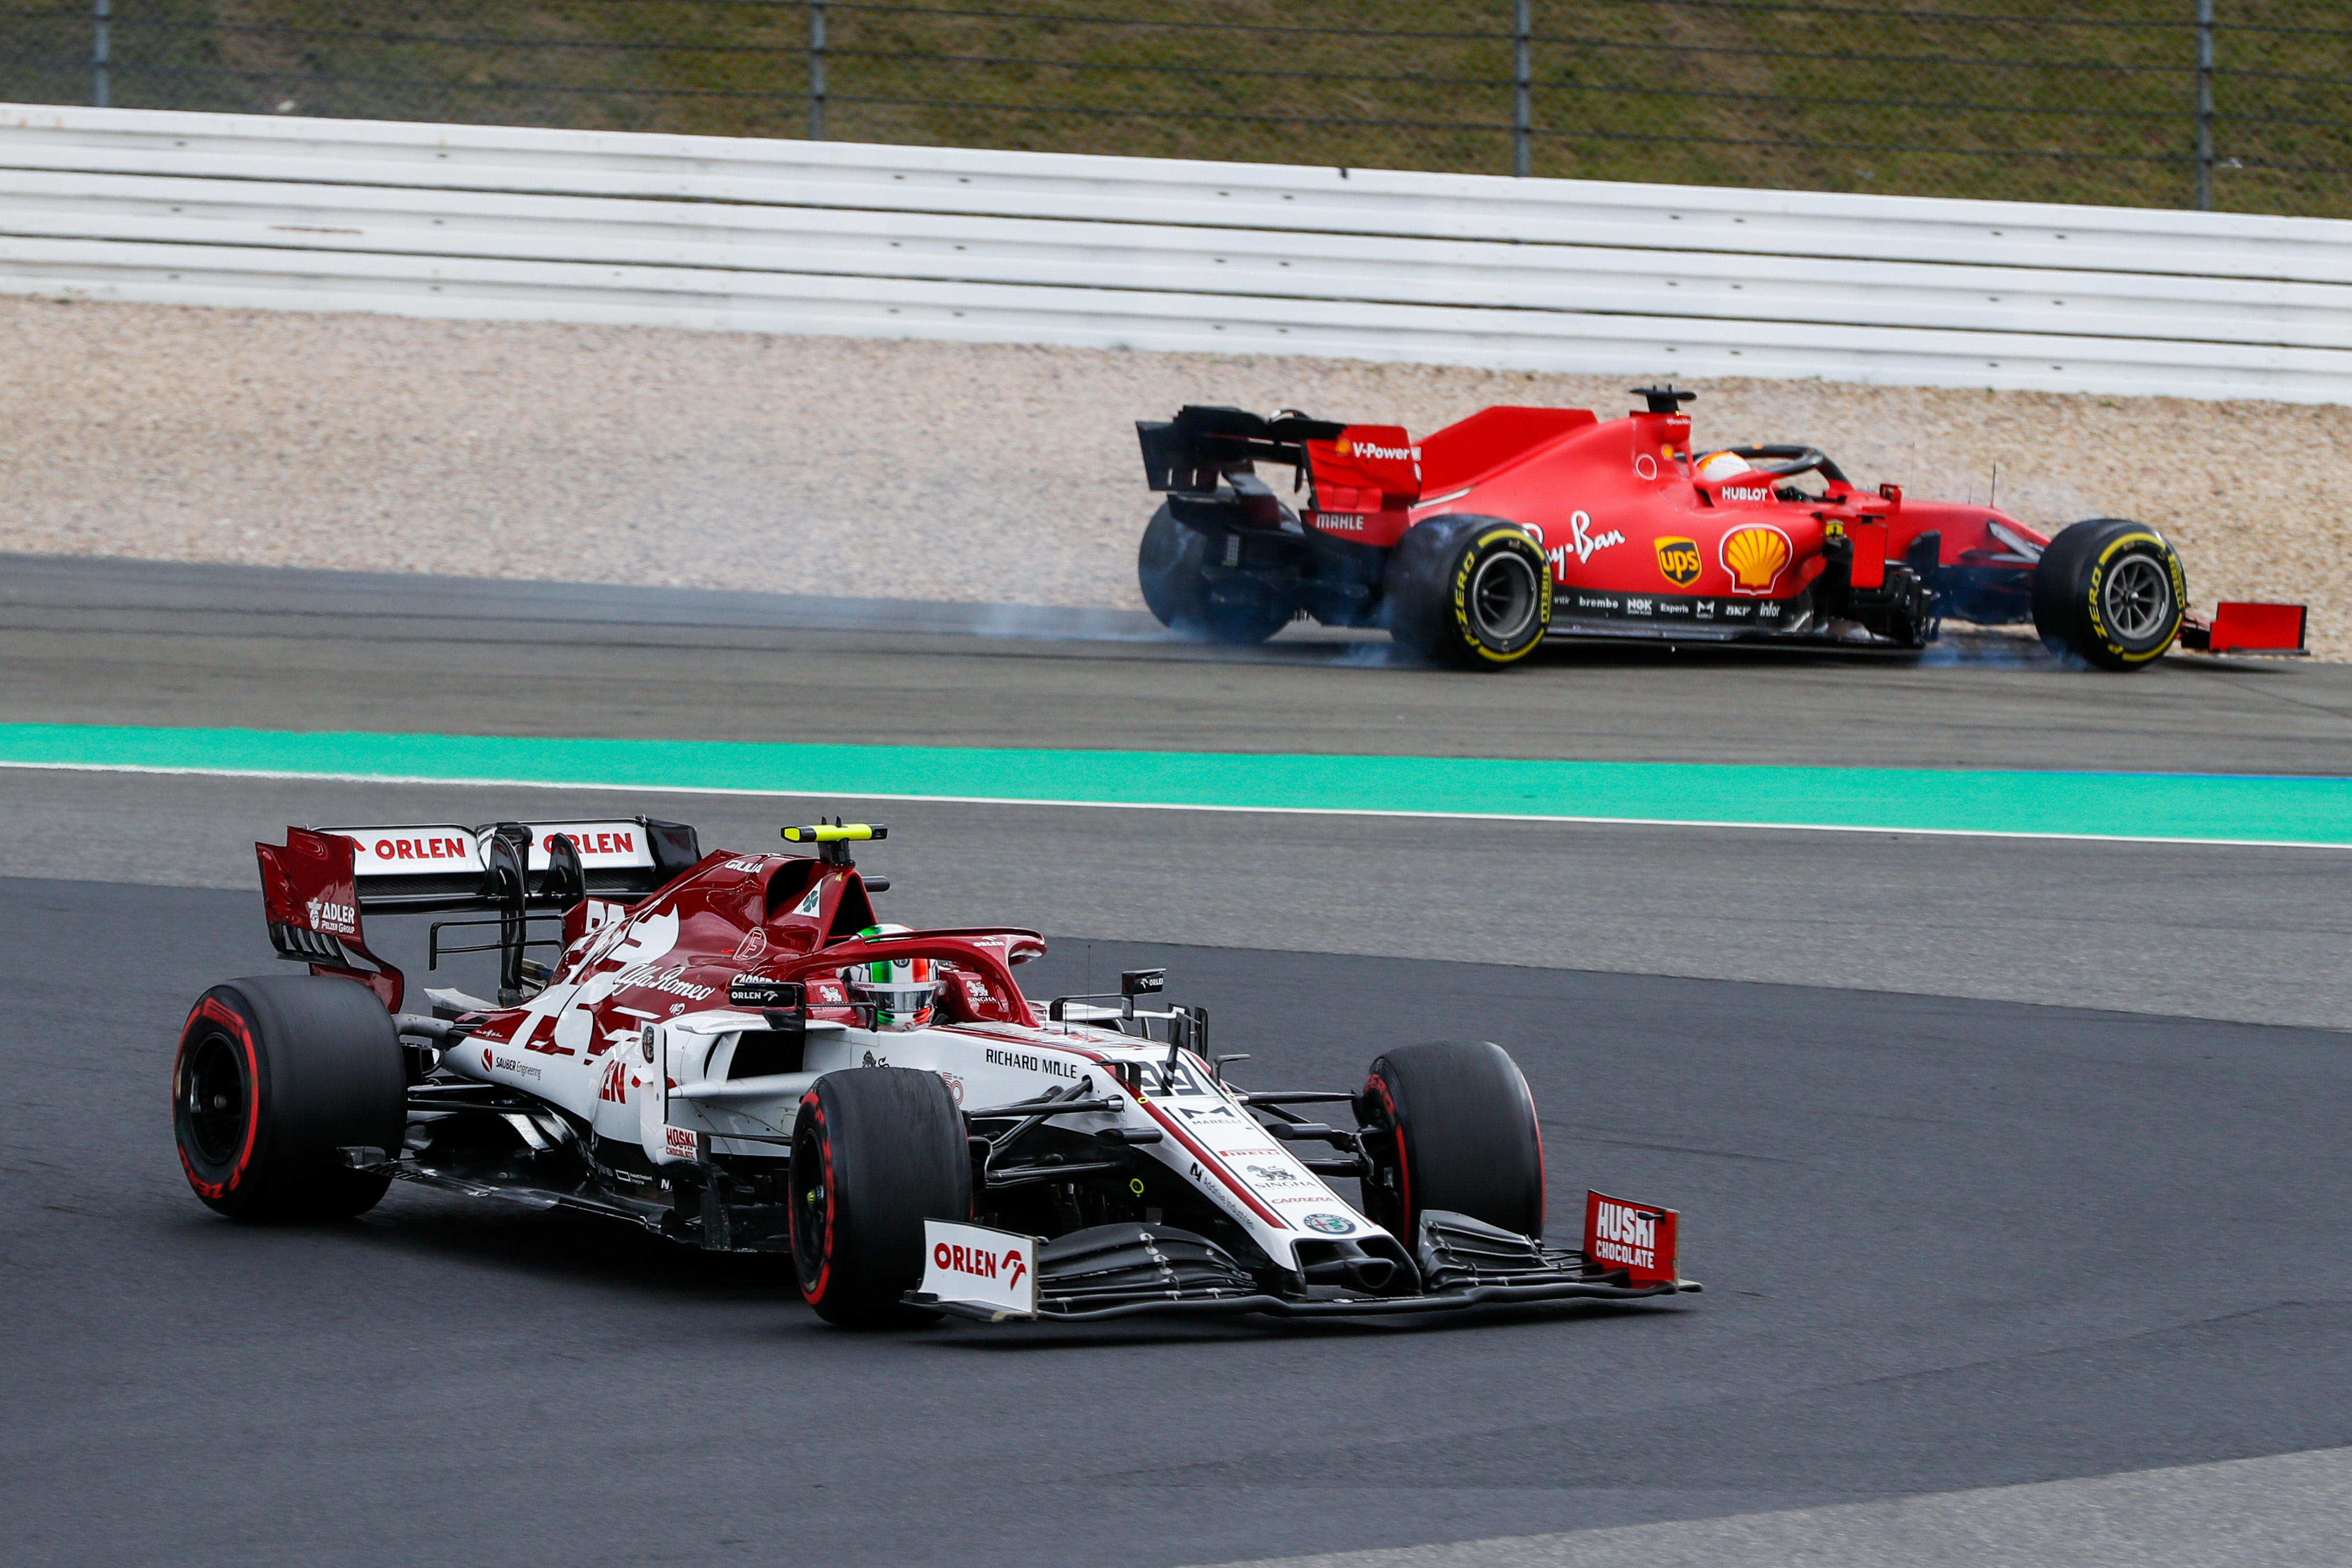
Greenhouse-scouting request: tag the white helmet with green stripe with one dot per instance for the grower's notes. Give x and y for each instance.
(901, 991)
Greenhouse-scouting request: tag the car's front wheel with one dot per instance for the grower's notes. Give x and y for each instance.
(876, 1151)
(1451, 1125)
(275, 1077)
(2109, 592)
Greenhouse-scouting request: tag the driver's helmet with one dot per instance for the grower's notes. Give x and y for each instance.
(902, 991)
(1716, 467)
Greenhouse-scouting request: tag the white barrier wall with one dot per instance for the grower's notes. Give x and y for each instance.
(878, 241)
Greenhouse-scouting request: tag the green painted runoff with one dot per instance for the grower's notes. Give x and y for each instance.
(2227, 808)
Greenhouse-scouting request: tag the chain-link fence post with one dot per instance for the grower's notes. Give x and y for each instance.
(2204, 106)
(101, 44)
(816, 70)
(1522, 90)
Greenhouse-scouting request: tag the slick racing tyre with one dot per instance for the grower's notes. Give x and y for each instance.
(1171, 567)
(1474, 593)
(875, 1153)
(1451, 1126)
(2109, 592)
(275, 1077)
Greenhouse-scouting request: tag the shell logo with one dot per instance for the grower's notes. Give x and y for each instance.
(1756, 556)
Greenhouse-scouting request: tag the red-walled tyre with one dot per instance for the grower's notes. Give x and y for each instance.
(1473, 593)
(875, 1153)
(275, 1077)
(1451, 1125)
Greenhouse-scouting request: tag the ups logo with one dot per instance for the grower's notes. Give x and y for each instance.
(1678, 559)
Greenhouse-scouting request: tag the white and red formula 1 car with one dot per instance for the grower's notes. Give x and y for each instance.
(733, 1051)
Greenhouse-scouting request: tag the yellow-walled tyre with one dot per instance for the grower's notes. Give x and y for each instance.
(1473, 593)
(2111, 592)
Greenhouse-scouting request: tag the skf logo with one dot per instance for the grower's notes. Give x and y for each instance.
(1679, 561)
(1756, 556)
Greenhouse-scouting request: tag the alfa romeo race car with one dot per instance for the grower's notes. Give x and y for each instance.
(733, 1051)
(1475, 544)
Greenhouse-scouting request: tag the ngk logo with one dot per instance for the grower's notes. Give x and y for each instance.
(981, 1263)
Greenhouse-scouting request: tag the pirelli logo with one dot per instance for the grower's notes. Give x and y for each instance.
(1679, 561)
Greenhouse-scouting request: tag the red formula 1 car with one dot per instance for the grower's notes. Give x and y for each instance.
(1475, 544)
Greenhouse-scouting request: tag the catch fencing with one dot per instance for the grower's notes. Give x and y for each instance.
(2233, 105)
(880, 241)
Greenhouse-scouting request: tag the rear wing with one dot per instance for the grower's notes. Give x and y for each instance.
(1355, 468)
(316, 886)
(425, 867)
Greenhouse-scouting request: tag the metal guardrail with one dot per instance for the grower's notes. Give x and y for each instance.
(2234, 104)
(884, 241)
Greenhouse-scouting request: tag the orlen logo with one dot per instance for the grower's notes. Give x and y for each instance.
(1679, 560)
(423, 850)
(981, 1263)
(598, 844)
(1623, 1234)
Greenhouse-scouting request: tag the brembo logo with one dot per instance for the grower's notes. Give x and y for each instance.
(981, 1263)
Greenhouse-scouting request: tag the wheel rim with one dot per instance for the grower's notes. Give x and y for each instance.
(1503, 596)
(214, 1100)
(809, 1212)
(2137, 598)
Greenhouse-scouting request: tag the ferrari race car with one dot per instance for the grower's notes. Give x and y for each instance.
(732, 1051)
(1475, 544)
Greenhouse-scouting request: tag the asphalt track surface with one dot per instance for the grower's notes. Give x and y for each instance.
(116, 642)
(1947, 1245)
(1952, 1243)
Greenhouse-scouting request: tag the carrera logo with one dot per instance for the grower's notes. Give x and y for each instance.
(1679, 561)
(981, 1263)
(1756, 556)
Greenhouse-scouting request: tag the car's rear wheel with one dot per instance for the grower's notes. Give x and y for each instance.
(275, 1077)
(2110, 592)
(875, 1153)
(1171, 567)
(1473, 593)
(1451, 1125)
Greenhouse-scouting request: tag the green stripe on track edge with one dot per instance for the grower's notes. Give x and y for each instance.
(2184, 807)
